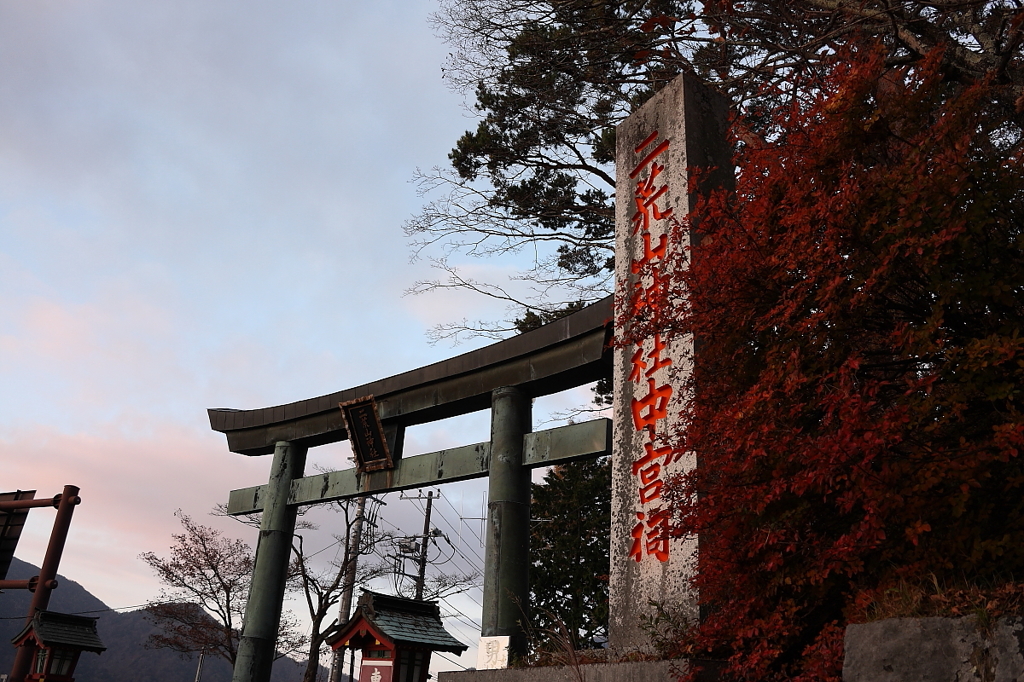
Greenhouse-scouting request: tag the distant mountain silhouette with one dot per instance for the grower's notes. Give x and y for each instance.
(124, 634)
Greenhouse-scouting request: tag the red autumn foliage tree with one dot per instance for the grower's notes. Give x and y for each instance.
(858, 308)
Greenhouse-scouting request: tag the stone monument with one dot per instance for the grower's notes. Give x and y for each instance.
(681, 128)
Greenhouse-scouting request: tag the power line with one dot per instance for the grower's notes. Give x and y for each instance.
(456, 621)
(465, 624)
(471, 598)
(468, 560)
(115, 609)
(450, 660)
(459, 611)
(337, 542)
(464, 632)
(474, 564)
(470, 528)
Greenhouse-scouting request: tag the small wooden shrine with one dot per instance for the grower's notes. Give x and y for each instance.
(58, 639)
(396, 637)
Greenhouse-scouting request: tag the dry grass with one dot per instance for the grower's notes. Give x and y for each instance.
(931, 598)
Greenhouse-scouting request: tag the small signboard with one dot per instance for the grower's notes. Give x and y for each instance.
(492, 653)
(375, 671)
(366, 434)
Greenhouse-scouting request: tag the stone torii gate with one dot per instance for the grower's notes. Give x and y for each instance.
(504, 377)
(681, 128)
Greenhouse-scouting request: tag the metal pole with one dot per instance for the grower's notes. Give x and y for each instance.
(355, 540)
(255, 656)
(199, 670)
(15, 505)
(506, 582)
(47, 574)
(423, 548)
(337, 658)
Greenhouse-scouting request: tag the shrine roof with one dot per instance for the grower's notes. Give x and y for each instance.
(61, 629)
(403, 621)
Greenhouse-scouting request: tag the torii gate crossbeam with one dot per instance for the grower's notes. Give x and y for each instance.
(544, 448)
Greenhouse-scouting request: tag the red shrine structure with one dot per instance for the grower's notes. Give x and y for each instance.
(56, 641)
(396, 637)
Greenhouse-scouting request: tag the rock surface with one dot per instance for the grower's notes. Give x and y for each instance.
(935, 650)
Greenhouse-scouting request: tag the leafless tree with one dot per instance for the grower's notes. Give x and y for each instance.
(552, 78)
(325, 588)
(206, 582)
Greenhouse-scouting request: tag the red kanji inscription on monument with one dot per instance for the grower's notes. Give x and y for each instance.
(652, 398)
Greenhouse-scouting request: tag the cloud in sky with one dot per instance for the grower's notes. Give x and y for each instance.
(128, 484)
(213, 187)
(201, 206)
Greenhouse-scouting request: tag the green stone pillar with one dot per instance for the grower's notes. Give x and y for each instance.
(263, 610)
(506, 577)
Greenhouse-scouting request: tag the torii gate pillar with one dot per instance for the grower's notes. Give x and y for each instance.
(256, 650)
(507, 557)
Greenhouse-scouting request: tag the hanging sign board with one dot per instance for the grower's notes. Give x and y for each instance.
(366, 434)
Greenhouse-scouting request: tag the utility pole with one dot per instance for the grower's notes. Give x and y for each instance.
(199, 670)
(355, 539)
(423, 547)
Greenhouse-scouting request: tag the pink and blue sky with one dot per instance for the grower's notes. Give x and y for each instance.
(201, 206)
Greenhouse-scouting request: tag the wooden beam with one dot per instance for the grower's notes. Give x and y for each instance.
(543, 448)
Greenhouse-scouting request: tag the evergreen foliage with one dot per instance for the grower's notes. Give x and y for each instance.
(856, 301)
(552, 78)
(569, 544)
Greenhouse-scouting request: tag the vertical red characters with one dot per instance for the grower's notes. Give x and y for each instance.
(652, 393)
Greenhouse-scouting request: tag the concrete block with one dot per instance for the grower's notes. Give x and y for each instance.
(638, 671)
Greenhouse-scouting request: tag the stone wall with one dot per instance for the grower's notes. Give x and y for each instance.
(893, 650)
(935, 650)
(635, 671)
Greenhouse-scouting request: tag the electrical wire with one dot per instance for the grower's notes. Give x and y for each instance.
(465, 632)
(107, 609)
(395, 579)
(473, 564)
(459, 613)
(450, 660)
(451, 526)
(457, 622)
(455, 550)
(338, 542)
(468, 527)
